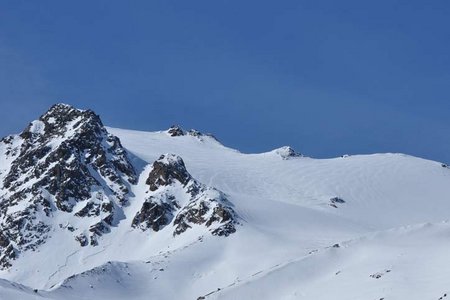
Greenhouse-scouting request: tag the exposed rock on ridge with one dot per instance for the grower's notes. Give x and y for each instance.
(176, 130)
(287, 152)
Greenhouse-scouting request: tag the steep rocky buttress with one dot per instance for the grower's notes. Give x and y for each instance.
(176, 199)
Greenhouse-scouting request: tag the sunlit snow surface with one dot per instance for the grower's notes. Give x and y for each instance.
(388, 240)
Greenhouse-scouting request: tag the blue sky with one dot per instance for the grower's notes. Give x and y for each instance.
(326, 77)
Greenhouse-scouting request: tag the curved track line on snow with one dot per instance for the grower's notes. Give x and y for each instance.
(62, 266)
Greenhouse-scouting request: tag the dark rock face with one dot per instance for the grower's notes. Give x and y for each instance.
(175, 130)
(207, 212)
(82, 239)
(335, 201)
(7, 251)
(166, 170)
(176, 197)
(56, 163)
(153, 215)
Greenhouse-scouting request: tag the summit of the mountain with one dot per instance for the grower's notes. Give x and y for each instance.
(60, 119)
(64, 162)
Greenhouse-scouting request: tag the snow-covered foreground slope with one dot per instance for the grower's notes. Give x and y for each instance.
(404, 263)
(10, 290)
(288, 212)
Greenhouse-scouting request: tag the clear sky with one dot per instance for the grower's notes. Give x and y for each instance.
(326, 77)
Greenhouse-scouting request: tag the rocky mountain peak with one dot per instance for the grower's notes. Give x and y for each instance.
(64, 162)
(63, 119)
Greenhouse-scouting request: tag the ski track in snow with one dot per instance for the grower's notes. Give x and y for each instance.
(62, 267)
(86, 258)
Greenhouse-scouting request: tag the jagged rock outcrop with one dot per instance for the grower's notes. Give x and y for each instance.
(166, 170)
(209, 209)
(287, 152)
(176, 198)
(176, 130)
(64, 162)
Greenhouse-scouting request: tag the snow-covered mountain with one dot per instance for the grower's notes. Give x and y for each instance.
(91, 212)
(64, 166)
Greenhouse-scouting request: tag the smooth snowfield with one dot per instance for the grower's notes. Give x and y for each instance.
(283, 247)
(404, 263)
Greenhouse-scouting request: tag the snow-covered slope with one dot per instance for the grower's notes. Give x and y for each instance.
(403, 263)
(197, 219)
